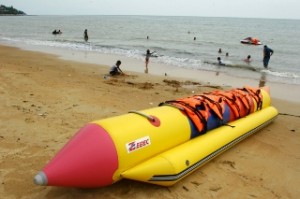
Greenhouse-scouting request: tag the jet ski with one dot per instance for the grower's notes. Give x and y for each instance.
(251, 41)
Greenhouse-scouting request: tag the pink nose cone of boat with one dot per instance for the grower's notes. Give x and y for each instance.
(89, 159)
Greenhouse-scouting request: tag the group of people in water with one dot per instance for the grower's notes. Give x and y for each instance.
(85, 34)
(56, 32)
(267, 53)
(221, 63)
(115, 69)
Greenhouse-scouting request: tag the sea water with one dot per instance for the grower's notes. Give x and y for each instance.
(184, 42)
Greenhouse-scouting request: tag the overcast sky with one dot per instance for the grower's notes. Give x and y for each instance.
(287, 9)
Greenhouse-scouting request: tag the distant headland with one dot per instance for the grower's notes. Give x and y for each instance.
(4, 10)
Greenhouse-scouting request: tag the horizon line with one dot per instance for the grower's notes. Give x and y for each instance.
(155, 16)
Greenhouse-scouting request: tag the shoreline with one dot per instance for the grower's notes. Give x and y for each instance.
(280, 91)
(45, 100)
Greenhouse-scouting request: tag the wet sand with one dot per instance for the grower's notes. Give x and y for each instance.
(45, 100)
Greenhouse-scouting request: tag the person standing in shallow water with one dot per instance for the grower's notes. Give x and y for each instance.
(85, 34)
(267, 53)
(148, 55)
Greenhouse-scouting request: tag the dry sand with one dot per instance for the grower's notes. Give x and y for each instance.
(45, 100)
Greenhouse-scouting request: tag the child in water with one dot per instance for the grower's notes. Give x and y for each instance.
(220, 62)
(248, 59)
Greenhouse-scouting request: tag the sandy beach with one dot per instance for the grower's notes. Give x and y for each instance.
(44, 100)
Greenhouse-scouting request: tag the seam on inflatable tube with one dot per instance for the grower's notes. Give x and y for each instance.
(201, 162)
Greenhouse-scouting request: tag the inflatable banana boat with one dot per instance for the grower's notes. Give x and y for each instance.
(159, 145)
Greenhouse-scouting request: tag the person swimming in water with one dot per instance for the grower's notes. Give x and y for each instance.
(220, 62)
(55, 32)
(248, 59)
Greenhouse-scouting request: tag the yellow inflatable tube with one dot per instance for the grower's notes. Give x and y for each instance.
(159, 145)
(180, 161)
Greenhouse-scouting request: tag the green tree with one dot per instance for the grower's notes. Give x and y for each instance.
(4, 10)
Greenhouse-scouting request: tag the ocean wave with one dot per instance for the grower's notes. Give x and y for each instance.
(175, 57)
(51, 43)
(182, 62)
(280, 74)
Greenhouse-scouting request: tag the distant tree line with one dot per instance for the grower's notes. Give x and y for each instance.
(4, 10)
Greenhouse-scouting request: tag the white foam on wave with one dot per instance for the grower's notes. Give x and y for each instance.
(181, 62)
(281, 74)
